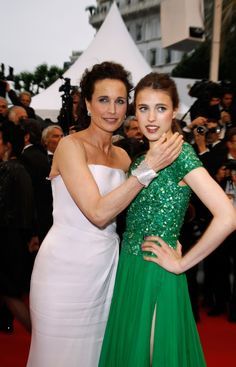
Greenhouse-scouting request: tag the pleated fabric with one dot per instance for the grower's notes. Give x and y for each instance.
(141, 290)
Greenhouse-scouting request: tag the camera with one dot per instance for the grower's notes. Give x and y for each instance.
(65, 116)
(203, 129)
(66, 87)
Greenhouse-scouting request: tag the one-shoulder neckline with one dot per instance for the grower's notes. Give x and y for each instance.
(92, 164)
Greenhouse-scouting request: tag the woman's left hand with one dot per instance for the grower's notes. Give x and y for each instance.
(167, 257)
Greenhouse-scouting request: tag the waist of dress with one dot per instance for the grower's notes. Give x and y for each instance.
(107, 233)
(132, 245)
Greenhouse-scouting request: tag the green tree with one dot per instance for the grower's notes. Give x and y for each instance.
(26, 81)
(53, 73)
(42, 77)
(195, 64)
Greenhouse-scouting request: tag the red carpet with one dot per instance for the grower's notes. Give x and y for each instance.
(14, 347)
(218, 338)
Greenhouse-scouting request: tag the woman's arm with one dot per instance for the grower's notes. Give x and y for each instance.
(71, 163)
(222, 224)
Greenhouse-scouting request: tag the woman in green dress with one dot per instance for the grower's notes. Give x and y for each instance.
(151, 321)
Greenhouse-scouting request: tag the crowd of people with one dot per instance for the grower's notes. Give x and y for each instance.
(129, 171)
(27, 145)
(212, 133)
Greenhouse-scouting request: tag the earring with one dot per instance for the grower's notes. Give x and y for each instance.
(89, 113)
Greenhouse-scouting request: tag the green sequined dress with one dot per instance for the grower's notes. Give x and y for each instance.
(146, 294)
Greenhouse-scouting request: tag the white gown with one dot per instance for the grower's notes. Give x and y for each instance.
(72, 281)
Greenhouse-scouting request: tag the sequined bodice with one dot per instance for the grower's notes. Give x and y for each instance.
(160, 208)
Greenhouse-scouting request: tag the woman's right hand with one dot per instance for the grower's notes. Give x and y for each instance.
(165, 256)
(164, 151)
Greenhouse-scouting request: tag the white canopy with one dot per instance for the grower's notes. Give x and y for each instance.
(111, 43)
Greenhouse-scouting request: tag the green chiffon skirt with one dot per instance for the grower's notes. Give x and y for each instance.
(146, 296)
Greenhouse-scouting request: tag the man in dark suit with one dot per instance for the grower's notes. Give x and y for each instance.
(215, 154)
(36, 162)
(51, 136)
(229, 243)
(209, 147)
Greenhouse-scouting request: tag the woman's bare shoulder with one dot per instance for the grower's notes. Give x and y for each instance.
(70, 142)
(69, 147)
(122, 157)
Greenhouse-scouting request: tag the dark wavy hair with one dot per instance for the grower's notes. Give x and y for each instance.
(14, 135)
(105, 70)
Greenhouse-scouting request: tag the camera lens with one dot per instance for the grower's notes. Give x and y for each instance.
(214, 130)
(201, 130)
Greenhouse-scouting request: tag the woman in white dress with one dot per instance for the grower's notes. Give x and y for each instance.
(74, 271)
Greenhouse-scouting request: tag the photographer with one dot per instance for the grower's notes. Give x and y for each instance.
(208, 96)
(219, 294)
(65, 118)
(207, 143)
(214, 100)
(212, 152)
(23, 100)
(205, 107)
(220, 267)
